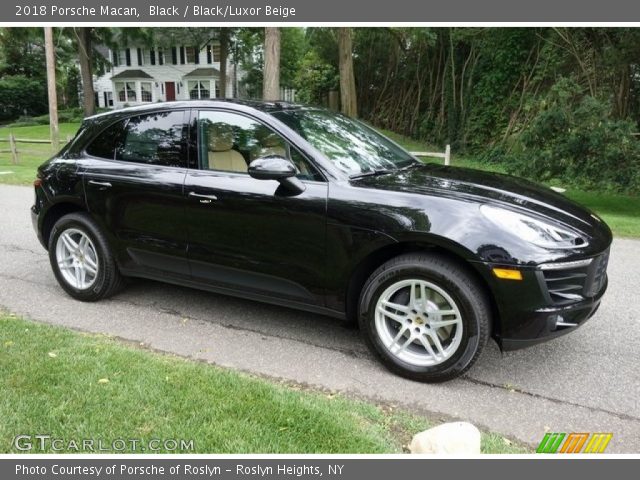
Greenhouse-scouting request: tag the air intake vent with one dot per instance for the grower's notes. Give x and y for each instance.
(573, 281)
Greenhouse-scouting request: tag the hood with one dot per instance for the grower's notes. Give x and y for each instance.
(465, 184)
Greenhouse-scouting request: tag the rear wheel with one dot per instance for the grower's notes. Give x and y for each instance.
(81, 259)
(425, 317)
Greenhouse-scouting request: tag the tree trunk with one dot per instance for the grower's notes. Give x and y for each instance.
(348, 100)
(51, 88)
(83, 36)
(271, 82)
(224, 53)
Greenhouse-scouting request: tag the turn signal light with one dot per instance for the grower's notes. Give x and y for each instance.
(507, 273)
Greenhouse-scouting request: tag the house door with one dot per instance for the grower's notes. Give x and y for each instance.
(170, 89)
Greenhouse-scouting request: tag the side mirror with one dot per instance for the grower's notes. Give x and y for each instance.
(277, 168)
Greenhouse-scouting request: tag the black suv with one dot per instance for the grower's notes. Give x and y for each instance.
(303, 207)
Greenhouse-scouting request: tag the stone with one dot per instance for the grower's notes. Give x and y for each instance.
(460, 438)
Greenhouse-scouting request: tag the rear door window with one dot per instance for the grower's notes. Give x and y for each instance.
(153, 139)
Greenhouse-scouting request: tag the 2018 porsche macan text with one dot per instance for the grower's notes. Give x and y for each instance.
(306, 208)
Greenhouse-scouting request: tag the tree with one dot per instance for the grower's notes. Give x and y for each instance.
(271, 83)
(85, 56)
(348, 99)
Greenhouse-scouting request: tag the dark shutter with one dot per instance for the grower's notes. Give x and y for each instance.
(152, 56)
(160, 57)
(174, 55)
(106, 101)
(139, 56)
(115, 57)
(197, 55)
(127, 54)
(209, 59)
(181, 55)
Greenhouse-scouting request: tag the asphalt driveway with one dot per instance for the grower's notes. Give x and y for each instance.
(588, 381)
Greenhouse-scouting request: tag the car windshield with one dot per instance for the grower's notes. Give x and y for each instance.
(352, 146)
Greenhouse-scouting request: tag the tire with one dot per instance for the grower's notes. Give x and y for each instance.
(455, 314)
(93, 256)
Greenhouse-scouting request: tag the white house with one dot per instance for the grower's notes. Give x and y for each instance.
(140, 75)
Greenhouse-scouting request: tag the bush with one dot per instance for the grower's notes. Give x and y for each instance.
(20, 95)
(574, 139)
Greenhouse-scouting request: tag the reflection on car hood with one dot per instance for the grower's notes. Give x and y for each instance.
(484, 187)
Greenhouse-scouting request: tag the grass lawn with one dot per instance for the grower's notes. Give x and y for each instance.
(76, 385)
(35, 154)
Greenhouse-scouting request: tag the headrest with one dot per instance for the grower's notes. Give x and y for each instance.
(220, 137)
(267, 138)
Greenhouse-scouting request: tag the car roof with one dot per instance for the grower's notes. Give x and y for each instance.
(267, 107)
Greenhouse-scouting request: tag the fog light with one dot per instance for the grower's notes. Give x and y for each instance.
(558, 321)
(507, 273)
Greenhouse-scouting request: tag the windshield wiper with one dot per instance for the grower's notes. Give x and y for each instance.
(372, 173)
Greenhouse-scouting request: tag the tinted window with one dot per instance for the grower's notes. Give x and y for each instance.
(104, 146)
(230, 142)
(352, 146)
(155, 139)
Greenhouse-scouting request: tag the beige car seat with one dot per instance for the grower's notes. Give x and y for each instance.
(221, 154)
(270, 145)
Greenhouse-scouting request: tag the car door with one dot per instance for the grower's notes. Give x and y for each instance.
(134, 174)
(249, 235)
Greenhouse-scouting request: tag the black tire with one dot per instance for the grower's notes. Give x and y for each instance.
(468, 295)
(108, 278)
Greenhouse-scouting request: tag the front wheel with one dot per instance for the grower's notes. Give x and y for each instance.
(425, 317)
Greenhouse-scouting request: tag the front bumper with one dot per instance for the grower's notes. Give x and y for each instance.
(550, 322)
(545, 305)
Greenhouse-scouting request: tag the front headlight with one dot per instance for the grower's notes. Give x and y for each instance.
(531, 229)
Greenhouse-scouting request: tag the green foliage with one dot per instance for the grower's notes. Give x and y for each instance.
(573, 138)
(20, 95)
(315, 79)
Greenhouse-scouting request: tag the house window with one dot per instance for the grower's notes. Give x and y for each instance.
(190, 53)
(108, 99)
(198, 89)
(147, 56)
(216, 89)
(160, 56)
(215, 53)
(115, 58)
(126, 91)
(145, 92)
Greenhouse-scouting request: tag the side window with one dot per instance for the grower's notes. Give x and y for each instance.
(155, 139)
(105, 144)
(229, 142)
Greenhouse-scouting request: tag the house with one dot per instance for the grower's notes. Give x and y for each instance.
(139, 75)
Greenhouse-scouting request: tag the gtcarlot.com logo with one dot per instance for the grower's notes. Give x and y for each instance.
(47, 443)
(574, 443)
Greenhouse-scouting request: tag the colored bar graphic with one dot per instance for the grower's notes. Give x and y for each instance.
(550, 443)
(574, 442)
(598, 442)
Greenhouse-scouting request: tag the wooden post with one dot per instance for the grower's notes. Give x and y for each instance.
(14, 150)
(447, 155)
(51, 87)
(334, 100)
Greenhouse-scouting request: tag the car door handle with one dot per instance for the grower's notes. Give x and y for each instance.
(203, 198)
(100, 184)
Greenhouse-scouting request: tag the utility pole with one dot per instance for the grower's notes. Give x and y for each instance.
(51, 87)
